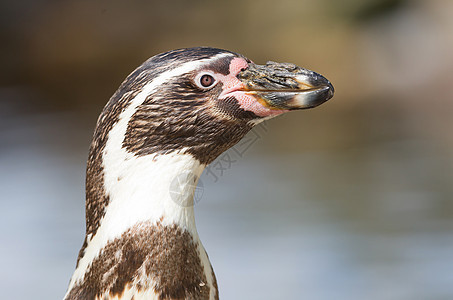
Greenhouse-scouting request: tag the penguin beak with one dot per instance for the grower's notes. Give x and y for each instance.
(284, 86)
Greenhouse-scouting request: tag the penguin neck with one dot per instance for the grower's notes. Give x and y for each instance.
(155, 191)
(150, 188)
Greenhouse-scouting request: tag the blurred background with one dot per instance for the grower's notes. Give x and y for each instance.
(351, 200)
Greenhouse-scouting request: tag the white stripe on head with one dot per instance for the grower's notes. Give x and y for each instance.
(138, 187)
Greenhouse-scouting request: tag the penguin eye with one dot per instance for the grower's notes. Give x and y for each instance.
(205, 81)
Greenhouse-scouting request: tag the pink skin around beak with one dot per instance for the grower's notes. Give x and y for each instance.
(232, 86)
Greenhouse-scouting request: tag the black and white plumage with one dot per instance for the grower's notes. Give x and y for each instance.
(170, 118)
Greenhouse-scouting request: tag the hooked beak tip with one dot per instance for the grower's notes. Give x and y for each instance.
(311, 98)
